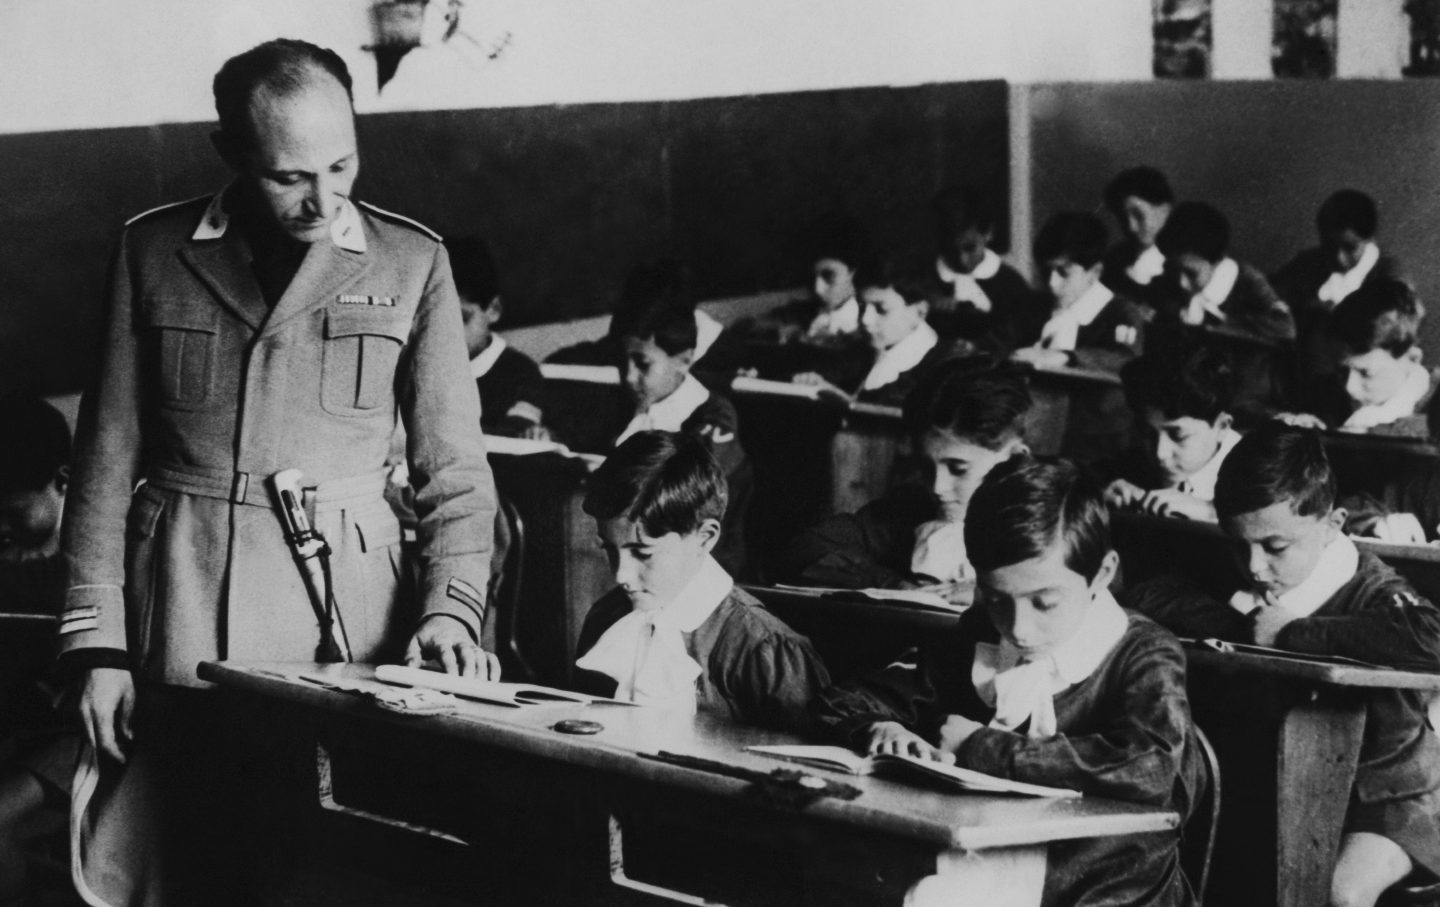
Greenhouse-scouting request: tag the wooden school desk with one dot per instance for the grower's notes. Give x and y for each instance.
(890, 840)
(1054, 392)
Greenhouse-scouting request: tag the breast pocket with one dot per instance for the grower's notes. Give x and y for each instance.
(362, 348)
(187, 336)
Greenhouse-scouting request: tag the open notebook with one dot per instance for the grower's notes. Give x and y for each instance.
(840, 759)
(492, 691)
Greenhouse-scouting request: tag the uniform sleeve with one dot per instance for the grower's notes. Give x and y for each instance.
(901, 691)
(852, 550)
(1122, 339)
(1396, 628)
(1134, 751)
(1259, 310)
(776, 680)
(1184, 610)
(106, 467)
(454, 490)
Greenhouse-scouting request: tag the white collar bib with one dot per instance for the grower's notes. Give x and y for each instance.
(669, 414)
(843, 319)
(1062, 331)
(481, 365)
(901, 357)
(1342, 283)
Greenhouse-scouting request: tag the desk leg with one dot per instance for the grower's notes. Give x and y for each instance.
(1319, 748)
(1013, 877)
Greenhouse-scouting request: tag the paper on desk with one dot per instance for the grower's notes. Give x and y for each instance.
(591, 374)
(920, 597)
(746, 385)
(524, 447)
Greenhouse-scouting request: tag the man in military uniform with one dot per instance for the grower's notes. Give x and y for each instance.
(276, 325)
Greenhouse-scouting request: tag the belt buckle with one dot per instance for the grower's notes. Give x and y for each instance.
(239, 487)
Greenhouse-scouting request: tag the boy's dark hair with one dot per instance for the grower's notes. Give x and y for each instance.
(1276, 462)
(476, 278)
(1025, 506)
(1144, 183)
(1384, 314)
(656, 304)
(39, 442)
(975, 398)
(840, 238)
(908, 279)
(283, 66)
(1195, 228)
(960, 208)
(1194, 381)
(1349, 209)
(665, 482)
(1077, 235)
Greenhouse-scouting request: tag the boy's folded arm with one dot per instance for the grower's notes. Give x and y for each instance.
(1135, 755)
(781, 677)
(898, 692)
(1186, 611)
(1404, 633)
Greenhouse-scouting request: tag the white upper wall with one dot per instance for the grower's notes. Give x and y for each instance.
(75, 64)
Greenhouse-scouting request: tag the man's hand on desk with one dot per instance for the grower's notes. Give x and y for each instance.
(105, 704)
(892, 737)
(814, 379)
(445, 641)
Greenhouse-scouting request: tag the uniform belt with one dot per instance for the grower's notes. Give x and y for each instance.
(249, 488)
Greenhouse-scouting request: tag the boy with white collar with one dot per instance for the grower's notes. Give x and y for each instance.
(1374, 337)
(1309, 590)
(1140, 199)
(657, 346)
(1320, 278)
(1182, 407)
(1048, 680)
(676, 632)
(983, 300)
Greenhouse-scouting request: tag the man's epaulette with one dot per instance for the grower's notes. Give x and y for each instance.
(400, 219)
(156, 210)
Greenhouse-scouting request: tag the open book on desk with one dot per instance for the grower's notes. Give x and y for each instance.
(840, 759)
(916, 598)
(492, 691)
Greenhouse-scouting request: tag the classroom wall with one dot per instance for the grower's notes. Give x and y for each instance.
(1266, 153)
(569, 196)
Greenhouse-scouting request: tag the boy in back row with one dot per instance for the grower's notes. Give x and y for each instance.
(1309, 589)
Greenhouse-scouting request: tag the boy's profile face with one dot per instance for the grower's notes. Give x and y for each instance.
(1039, 604)
(652, 571)
(1343, 248)
(30, 521)
(956, 466)
(1068, 280)
(888, 318)
(1142, 220)
(650, 373)
(963, 250)
(1193, 271)
(1181, 447)
(834, 283)
(478, 318)
(1373, 378)
(1278, 547)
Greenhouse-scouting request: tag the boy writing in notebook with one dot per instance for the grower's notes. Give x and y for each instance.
(964, 418)
(1048, 680)
(1308, 589)
(676, 632)
(1381, 386)
(1182, 409)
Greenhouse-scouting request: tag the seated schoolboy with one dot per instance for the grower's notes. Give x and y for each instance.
(657, 346)
(1089, 326)
(38, 747)
(980, 298)
(1140, 200)
(676, 632)
(1381, 386)
(509, 382)
(1048, 680)
(1310, 590)
(1204, 288)
(904, 346)
(1182, 409)
(963, 418)
(1406, 510)
(1318, 279)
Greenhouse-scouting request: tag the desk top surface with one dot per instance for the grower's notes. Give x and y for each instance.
(1307, 671)
(951, 820)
